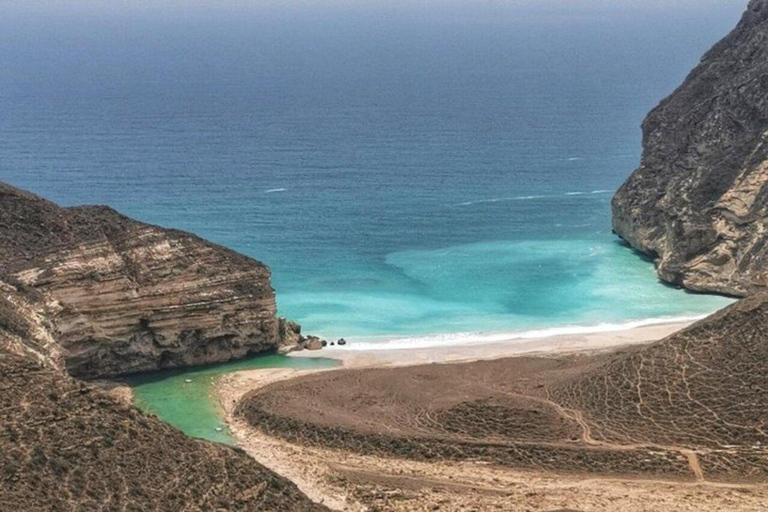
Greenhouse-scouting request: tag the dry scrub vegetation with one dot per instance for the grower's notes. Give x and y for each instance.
(67, 446)
(693, 407)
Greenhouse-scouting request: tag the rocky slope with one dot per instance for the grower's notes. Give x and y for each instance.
(93, 292)
(693, 406)
(699, 201)
(703, 388)
(104, 295)
(66, 446)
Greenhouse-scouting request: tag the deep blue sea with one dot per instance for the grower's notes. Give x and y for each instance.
(405, 169)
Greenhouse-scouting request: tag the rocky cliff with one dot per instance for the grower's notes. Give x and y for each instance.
(93, 292)
(699, 201)
(101, 294)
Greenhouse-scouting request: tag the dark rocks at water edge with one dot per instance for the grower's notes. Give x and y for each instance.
(309, 343)
(100, 294)
(698, 203)
(313, 343)
(296, 341)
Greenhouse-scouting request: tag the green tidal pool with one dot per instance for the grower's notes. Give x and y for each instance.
(186, 399)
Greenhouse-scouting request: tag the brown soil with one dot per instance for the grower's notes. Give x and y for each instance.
(65, 445)
(691, 407)
(491, 411)
(689, 410)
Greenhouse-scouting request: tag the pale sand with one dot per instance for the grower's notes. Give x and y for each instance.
(560, 344)
(296, 463)
(339, 479)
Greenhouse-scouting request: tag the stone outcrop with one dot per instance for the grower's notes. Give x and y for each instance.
(101, 294)
(92, 292)
(699, 201)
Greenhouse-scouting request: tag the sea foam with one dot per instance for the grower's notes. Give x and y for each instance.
(480, 338)
(527, 198)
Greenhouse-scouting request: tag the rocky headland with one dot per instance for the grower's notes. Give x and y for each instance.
(698, 203)
(89, 292)
(99, 294)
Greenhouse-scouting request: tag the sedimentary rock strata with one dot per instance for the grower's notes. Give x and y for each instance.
(698, 203)
(121, 296)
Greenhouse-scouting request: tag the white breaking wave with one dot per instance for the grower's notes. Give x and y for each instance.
(575, 159)
(272, 190)
(479, 338)
(500, 199)
(526, 198)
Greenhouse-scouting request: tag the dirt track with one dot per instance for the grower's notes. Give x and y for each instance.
(499, 412)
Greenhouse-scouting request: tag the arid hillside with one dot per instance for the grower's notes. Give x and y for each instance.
(122, 296)
(704, 388)
(67, 446)
(692, 407)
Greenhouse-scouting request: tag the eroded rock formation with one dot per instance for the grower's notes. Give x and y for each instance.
(106, 295)
(699, 201)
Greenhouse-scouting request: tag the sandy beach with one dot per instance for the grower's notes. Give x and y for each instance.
(352, 356)
(350, 481)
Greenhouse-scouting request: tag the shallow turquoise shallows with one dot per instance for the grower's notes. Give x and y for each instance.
(414, 173)
(406, 170)
(185, 398)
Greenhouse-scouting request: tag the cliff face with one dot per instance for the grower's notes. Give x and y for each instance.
(699, 201)
(115, 296)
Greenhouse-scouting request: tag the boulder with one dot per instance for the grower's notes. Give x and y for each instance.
(313, 343)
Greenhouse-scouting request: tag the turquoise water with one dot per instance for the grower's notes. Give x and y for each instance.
(185, 398)
(407, 171)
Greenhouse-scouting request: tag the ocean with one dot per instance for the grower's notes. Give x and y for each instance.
(414, 174)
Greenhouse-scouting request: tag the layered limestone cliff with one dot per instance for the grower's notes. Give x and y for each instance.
(100, 294)
(699, 201)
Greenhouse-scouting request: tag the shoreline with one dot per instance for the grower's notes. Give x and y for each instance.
(306, 467)
(281, 457)
(337, 479)
(513, 345)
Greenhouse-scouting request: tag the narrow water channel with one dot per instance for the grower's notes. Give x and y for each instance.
(186, 399)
